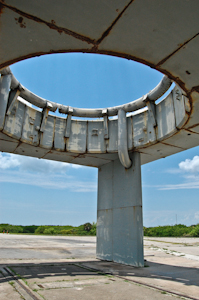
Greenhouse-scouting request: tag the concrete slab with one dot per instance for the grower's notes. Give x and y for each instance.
(27, 247)
(117, 290)
(70, 281)
(171, 269)
(7, 291)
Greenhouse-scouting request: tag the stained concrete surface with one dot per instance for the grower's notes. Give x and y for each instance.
(54, 267)
(7, 292)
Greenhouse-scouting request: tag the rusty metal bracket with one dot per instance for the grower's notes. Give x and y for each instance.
(12, 100)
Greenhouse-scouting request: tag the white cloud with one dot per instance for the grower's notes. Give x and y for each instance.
(180, 186)
(32, 164)
(50, 181)
(189, 170)
(173, 171)
(190, 165)
(8, 161)
(74, 166)
(42, 173)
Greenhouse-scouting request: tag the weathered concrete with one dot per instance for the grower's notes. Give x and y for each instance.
(48, 248)
(85, 277)
(152, 32)
(119, 213)
(7, 291)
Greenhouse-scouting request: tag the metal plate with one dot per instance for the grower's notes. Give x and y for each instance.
(96, 142)
(14, 122)
(32, 122)
(46, 137)
(179, 106)
(112, 144)
(4, 94)
(165, 118)
(77, 140)
(143, 130)
(59, 139)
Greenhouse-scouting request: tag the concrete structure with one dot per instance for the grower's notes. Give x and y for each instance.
(151, 32)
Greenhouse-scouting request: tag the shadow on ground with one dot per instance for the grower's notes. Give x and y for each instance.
(71, 270)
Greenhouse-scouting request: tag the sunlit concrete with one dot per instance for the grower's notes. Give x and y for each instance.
(66, 265)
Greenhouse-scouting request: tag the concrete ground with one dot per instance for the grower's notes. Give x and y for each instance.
(54, 267)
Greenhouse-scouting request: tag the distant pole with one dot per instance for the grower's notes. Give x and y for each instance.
(176, 219)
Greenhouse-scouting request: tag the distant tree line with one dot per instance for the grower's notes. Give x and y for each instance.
(85, 229)
(90, 229)
(172, 231)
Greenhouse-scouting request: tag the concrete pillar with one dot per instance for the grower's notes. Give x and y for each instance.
(119, 213)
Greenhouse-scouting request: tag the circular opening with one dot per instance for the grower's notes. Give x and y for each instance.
(86, 80)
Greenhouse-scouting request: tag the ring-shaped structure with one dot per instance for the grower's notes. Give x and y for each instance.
(120, 110)
(153, 95)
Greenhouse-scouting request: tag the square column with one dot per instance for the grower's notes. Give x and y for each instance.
(119, 213)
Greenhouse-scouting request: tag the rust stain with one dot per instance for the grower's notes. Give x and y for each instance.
(192, 127)
(181, 46)
(20, 21)
(1, 8)
(51, 24)
(112, 53)
(106, 33)
(195, 89)
(192, 132)
(163, 143)
(35, 54)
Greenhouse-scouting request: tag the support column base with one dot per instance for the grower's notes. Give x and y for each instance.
(119, 214)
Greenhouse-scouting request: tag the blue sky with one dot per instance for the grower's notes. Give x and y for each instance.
(37, 191)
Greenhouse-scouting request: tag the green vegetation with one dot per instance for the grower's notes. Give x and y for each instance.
(85, 229)
(17, 229)
(172, 231)
(90, 229)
